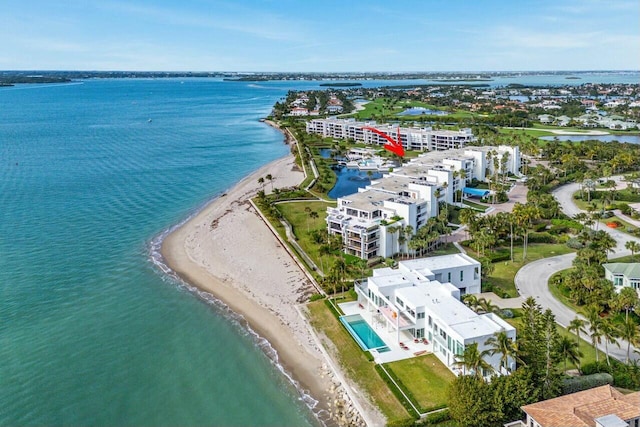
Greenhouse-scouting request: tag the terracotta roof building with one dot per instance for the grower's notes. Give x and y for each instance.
(598, 407)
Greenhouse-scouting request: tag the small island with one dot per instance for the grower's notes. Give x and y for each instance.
(341, 84)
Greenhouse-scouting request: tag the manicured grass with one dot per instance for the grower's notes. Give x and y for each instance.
(505, 271)
(303, 225)
(426, 380)
(477, 206)
(528, 132)
(354, 362)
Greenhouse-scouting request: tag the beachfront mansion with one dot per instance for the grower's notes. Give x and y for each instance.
(420, 139)
(371, 221)
(421, 299)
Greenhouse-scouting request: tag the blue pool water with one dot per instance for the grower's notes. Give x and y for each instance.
(362, 332)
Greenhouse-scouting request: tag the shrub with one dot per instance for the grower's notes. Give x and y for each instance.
(542, 238)
(623, 375)
(506, 314)
(316, 297)
(499, 255)
(568, 223)
(625, 209)
(540, 227)
(437, 417)
(585, 382)
(574, 243)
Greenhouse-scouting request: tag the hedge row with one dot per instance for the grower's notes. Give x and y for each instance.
(576, 384)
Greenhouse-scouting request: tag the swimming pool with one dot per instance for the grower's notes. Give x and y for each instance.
(362, 333)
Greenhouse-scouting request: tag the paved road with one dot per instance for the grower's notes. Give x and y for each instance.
(532, 279)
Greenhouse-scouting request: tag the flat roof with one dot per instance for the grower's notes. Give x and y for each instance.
(437, 299)
(367, 200)
(439, 262)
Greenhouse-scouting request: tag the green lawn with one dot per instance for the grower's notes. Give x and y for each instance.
(505, 271)
(303, 225)
(425, 380)
(529, 131)
(477, 206)
(354, 362)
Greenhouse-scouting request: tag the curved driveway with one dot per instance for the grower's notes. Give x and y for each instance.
(533, 278)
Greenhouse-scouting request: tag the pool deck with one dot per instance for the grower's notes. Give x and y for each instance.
(388, 335)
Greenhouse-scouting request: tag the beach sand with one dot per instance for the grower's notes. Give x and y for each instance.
(228, 251)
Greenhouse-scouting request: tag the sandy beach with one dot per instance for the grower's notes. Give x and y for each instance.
(228, 251)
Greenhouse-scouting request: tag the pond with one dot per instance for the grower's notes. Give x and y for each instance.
(418, 111)
(348, 180)
(632, 139)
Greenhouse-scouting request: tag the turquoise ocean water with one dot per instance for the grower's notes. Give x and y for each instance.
(91, 331)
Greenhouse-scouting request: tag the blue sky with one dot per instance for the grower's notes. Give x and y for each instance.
(314, 35)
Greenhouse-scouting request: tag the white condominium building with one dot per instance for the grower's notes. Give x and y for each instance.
(422, 297)
(422, 139)
(373, 221)
(368, 221)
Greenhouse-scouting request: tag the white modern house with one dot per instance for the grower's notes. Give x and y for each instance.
(421, 300)
(422, 139)
(623, 275)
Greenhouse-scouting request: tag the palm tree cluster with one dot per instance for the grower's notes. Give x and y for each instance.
(491, 230)
(585, 282)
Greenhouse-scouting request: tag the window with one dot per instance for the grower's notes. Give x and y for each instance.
(461, 275)
(421, 315)
(449, 277)
(430, 321)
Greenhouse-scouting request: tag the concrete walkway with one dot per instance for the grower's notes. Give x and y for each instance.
(532, 279)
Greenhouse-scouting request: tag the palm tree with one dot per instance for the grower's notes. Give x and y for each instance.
(261, 182)
(307, 209)
(610, 332)
(407, 232)
(633, 247)
(270, 178)
(339, 272)
(473, 360)
(577, 325)
(313, 215)
(487, 306)
(471, 301)
(323, 250)
(626, 300)
(569, 351)
(501, 343)
(595, 327)
(393, 230)
(629, 332)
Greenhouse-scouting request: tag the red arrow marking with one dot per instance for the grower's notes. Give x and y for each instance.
(393, 145)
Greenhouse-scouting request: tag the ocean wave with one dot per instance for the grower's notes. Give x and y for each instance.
(170, 276)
